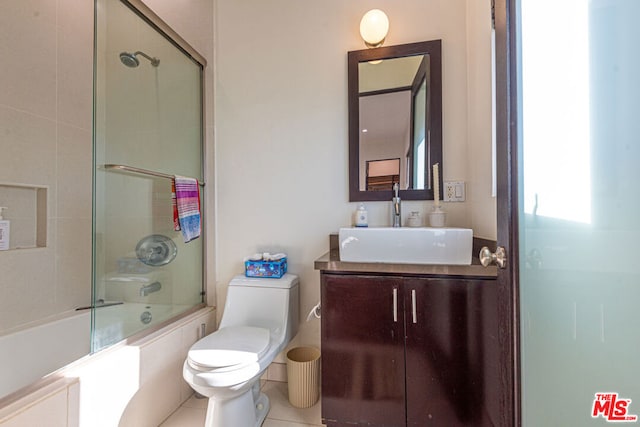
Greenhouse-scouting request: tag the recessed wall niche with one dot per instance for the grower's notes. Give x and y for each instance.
(27, 210)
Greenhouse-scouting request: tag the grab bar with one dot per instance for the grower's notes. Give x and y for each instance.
(141, 171)
(99, 305)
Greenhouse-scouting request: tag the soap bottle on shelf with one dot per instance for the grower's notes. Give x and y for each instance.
(5, 230)
(362, 219)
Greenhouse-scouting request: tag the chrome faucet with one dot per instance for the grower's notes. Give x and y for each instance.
(147, 289)
(396, 208)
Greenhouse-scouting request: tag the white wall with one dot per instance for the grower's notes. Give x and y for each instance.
(281, 126)
(480, 204)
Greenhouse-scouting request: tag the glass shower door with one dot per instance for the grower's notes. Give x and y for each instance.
(579, 208)
(148, 121)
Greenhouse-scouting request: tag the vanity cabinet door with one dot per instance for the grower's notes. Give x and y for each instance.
(363, 368)
(452, 371)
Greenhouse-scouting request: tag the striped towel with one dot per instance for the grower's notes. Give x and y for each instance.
(188, 206)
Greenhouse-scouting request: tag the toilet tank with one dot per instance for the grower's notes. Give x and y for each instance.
(265, 303)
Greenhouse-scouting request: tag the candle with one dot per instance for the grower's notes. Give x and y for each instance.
(436, 185)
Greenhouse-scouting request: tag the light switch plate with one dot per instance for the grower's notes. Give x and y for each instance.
(454, 191)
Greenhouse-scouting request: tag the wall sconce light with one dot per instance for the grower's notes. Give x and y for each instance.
(374, 27)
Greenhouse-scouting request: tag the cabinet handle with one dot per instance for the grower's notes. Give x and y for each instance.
(395, 304)
(413, 306)
(499, 257)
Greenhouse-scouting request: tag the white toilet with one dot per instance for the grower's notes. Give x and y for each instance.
(260, 318)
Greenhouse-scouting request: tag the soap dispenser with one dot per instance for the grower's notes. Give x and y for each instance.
(362, 218)
(5, 229)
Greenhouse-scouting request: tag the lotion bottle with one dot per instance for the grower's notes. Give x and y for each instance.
(362, 218)
(5, 229)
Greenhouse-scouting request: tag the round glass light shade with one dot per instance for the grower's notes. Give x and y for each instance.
(374, 27)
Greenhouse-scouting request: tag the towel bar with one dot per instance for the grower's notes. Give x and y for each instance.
(141, 171)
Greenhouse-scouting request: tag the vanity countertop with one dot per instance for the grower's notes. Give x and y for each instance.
(330, 261)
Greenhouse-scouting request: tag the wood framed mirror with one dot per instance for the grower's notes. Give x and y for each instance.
(395, 111)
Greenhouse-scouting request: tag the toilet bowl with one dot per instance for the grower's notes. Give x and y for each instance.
(260, 317)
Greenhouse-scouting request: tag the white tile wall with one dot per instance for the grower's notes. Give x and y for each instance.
(45, 137)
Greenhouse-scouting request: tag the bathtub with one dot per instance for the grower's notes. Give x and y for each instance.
(117, 322)
(30, 354)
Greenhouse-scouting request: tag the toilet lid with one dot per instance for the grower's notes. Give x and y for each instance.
(229, 347)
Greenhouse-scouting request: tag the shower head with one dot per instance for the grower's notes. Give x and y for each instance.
(131, 59)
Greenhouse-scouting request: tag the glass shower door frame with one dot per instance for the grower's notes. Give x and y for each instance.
(164, 30)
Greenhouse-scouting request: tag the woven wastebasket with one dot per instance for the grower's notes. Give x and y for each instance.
(303, 376)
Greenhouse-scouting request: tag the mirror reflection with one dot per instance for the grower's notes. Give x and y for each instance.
(392, 95)
(395, 120)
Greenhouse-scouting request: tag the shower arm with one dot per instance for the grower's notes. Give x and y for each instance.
(154, 61)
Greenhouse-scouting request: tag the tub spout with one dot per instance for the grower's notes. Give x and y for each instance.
(147, 289)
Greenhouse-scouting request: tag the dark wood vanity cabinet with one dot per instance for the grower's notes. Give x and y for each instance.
(363, 372)
(408, 351)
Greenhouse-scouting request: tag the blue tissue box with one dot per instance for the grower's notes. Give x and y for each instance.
(270, 269)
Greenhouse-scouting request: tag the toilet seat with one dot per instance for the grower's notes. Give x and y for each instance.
(229, 347)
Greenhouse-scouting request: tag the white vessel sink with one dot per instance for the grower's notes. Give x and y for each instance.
(406, 245)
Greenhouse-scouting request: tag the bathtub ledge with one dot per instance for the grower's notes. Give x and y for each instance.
(15, 404)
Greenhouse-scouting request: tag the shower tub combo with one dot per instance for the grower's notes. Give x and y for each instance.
(144, 275)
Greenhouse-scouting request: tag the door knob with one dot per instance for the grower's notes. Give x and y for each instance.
(499, 257)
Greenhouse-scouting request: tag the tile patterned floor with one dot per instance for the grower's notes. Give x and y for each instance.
(282, 414)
